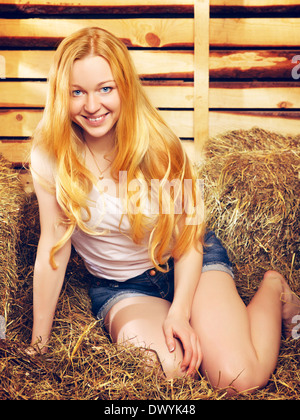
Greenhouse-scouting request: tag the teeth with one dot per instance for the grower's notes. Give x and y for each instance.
(96, 119)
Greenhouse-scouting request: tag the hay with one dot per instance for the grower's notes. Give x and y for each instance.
(259, 230)
(252, 192)
(81, 363)
(12, 198)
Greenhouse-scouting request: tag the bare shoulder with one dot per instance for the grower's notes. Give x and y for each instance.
(44, 186)
(42, 167)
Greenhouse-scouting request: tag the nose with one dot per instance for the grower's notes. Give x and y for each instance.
(92, 104)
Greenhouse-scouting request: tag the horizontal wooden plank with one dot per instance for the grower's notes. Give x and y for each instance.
(21, 123)
(27, 64)
(134, 32)
(18, 123)
(170, 95)
(36, 64)
(253, 32)
(254, 7)
(106, 3)
(134, 7)
(16, 151)
(33, 94)
(164, 64)
(232, 64)
(248, 64)
(249, 3)
(253, 95)
(22, 94)
(56, 7)
(284, 123)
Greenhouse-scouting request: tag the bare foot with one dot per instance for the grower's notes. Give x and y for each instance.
(290, 304)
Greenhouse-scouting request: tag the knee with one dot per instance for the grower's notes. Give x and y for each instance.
(168, 364)
(246, 383)
(246, 379)
(171, 368)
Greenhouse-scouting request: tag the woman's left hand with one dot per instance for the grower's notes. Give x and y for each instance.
(180, 328)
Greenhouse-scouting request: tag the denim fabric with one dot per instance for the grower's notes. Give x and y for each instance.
(215, 256)
(106, 293)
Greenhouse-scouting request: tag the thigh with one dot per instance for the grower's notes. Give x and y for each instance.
(220, 319)
(139, 321)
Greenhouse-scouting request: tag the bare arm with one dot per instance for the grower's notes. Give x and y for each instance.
(187, 273)
(47, 282)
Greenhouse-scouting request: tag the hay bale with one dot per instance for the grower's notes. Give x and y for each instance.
(252, 193)
(12, 198)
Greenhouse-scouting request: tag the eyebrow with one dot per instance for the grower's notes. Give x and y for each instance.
(99, 84)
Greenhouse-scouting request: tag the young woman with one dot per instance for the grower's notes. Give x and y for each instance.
(113, 180)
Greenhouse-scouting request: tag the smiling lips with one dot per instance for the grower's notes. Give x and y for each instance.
(96, 120)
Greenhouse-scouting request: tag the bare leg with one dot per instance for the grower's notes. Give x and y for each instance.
(139, 321)
(240, 344)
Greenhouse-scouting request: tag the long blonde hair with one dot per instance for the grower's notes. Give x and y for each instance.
(145, 147)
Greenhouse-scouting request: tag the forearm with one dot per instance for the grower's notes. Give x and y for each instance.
(47, 284)
(187, 271)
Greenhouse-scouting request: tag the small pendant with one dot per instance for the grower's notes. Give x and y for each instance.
(101, 177)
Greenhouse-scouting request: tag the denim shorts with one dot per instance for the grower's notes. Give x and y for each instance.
(105, 294)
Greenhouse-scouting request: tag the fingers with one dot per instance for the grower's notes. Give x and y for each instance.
(171, 343)
(192, 351)
(192, 355)
(190, 342)
(198, 360)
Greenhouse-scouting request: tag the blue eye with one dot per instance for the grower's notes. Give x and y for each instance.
(76, 92)
(106, 89)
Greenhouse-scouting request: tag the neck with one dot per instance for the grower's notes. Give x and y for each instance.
(100, 146)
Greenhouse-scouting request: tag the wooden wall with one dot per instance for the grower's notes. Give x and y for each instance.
(247, 52)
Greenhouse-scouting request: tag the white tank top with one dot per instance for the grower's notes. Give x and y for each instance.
(112, 254)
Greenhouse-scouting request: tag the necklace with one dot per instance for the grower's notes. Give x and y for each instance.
(101, 176)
